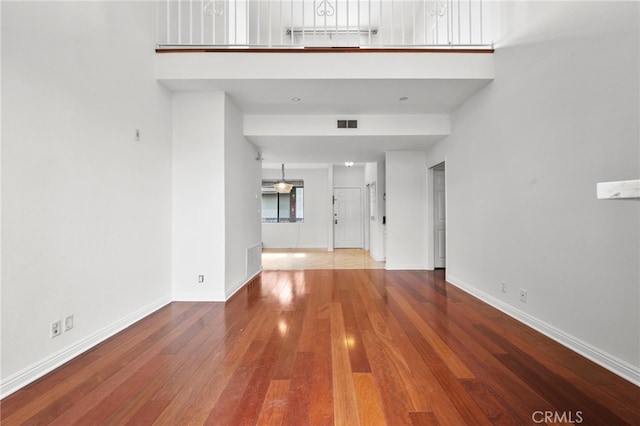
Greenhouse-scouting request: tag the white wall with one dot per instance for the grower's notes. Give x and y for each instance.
(242, 180)
(243, 65)
(348, 177)
(216, 205)
(523, 161)
(312, 233)
(406, 210)
(86, 220)
(198, 196)
(374, 172)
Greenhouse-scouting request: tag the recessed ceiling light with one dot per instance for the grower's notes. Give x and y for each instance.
(403, 98)
(296, 99)
(349, 163)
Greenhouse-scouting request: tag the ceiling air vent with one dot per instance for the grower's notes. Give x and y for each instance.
(347, 124)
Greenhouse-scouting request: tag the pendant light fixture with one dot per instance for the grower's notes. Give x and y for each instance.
(282, 187)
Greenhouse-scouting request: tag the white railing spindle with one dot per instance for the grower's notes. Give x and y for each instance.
(393, 32)
(358, 23)
(480, 20)
(270, 24)
(168, 21)
(402, 22)
(369, 30)
(470, 24)
(459, 26)
(441, 24)
(336, 15)
(348, 21)
(413, 16)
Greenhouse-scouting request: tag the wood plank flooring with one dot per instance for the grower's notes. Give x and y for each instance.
(322, 347)
(287, 259)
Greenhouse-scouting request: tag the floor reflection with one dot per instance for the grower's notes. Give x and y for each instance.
(298, 259)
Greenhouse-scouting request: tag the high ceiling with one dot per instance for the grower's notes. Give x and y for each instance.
(340, 96)
(322, 92)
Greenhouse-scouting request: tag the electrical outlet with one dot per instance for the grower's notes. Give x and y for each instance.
(200, 278)
(55, 329)
(504, 287)
(523, 295)
(68, 322)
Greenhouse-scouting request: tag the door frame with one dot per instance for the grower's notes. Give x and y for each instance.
(333, 211)
(430, 219)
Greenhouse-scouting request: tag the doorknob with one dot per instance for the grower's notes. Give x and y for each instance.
(336, 222)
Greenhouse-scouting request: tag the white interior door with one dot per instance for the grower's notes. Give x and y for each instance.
(439, 217)
(347, 217)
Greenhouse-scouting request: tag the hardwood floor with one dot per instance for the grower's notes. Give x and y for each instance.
(323, 347)
(286, 259)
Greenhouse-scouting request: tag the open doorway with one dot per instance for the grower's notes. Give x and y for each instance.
(439, 217)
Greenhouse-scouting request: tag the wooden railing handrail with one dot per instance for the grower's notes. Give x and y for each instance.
(321, 50)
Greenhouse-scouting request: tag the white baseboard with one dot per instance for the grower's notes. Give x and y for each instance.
(615, 365)
(407, 267)
(213, 297)
(300, 246)
(198, 297)
(241, 284)
(29, 374)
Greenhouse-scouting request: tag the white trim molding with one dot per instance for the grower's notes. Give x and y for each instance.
(407, 267)
(29, 374)
(214, 296)
(621, 190)
(241, 284)
(199, 297)
(615, 365)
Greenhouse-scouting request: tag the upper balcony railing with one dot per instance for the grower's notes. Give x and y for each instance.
(233, 24)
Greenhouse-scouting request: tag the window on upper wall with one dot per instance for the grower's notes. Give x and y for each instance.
(282, 208)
